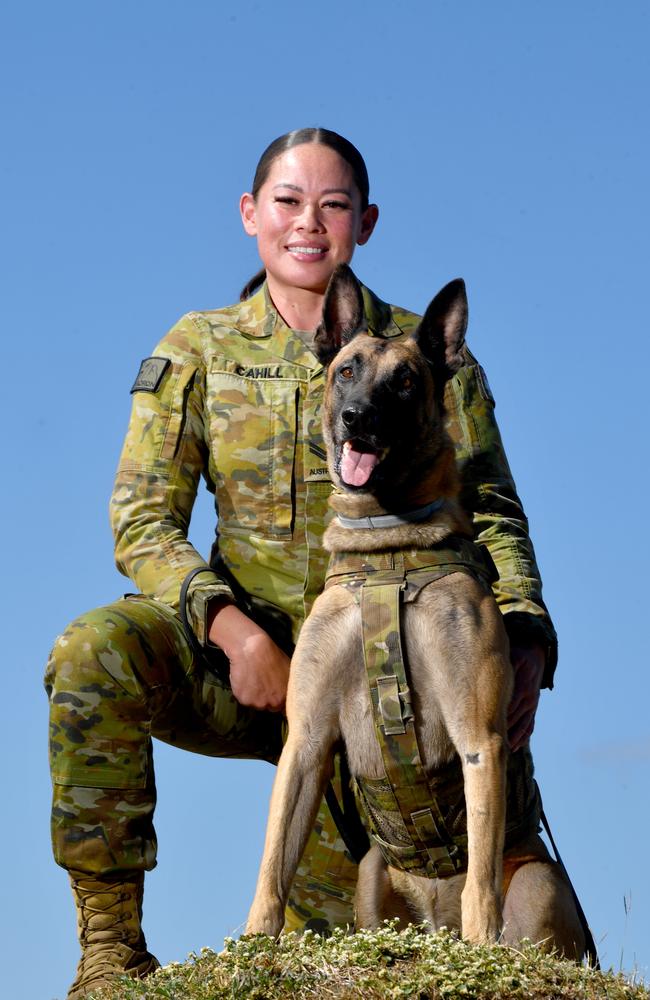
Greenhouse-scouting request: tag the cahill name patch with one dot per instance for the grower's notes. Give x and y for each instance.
(150, 374)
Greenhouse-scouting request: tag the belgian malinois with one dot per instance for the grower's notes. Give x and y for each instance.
(396, 490)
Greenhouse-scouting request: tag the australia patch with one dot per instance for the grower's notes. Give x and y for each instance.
(316, 465)
(150, 375)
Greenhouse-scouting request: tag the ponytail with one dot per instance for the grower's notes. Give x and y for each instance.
(252, 285)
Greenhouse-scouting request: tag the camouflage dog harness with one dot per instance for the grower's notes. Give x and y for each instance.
(418, 822)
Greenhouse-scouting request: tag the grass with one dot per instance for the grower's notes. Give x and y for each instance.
(382, 965)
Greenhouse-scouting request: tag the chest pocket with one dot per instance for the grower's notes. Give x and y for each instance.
(253, 426)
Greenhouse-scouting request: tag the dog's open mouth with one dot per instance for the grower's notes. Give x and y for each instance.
(358, 462)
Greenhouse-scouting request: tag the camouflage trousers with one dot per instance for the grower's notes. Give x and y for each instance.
(118, 676)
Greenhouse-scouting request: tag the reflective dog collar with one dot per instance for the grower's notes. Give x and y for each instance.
(392, 520)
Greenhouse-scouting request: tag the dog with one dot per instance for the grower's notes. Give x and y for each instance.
(396, 506)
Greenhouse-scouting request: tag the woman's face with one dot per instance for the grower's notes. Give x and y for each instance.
(307, 218)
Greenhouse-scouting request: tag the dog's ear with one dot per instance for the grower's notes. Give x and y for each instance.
(441, 333)
(343, 315)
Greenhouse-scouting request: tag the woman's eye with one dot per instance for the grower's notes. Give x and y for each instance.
(336, 204)
(286, 200)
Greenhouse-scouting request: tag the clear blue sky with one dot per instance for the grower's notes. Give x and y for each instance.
(507, 142)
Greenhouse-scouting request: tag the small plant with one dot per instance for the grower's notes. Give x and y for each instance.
(381, 965)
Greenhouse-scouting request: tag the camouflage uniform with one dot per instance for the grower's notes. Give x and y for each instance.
(234, 395)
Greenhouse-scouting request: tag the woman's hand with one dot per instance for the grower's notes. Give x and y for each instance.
(528, 665)
(259, 670)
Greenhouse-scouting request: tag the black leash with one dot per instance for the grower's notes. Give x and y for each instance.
(346, 816)
(182, 608)
(215, 664)
(590, 944)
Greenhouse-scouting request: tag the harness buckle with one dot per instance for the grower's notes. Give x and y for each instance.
(442, 860)
(390, 706)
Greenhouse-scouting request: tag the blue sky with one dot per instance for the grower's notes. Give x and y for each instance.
(506, 142)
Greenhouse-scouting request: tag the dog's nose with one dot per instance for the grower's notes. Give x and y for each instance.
(360, 417)
(350, 416)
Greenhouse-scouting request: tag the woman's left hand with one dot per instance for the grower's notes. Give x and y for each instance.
(528, 665)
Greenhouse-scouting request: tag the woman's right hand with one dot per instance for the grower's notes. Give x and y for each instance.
(259, 670)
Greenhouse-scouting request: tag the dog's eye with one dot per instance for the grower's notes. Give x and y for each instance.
(407, 382)
(346, 373)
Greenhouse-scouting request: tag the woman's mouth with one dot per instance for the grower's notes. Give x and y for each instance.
(305, 252)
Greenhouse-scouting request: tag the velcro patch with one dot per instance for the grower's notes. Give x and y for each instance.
(484, 385)
(150, 374)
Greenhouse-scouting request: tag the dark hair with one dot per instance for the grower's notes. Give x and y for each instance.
(299, 137)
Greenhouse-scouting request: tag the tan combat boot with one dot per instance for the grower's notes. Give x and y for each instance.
(109, 911)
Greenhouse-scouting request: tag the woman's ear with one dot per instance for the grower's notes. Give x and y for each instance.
(368, 223)
(248, 215)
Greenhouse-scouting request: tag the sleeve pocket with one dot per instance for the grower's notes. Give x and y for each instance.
(177, 412)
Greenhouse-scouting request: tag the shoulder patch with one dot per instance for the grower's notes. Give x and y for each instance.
(150, 374)
(484, 385)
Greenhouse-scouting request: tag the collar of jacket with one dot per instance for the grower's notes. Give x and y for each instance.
(258, 316)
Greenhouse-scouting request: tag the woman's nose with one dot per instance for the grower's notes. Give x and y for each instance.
(310, 219)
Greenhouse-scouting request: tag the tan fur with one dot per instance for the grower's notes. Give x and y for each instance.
(461, 681)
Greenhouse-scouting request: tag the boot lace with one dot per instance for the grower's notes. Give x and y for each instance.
(107, 901)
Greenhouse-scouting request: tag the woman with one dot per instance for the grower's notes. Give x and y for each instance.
(234, 395)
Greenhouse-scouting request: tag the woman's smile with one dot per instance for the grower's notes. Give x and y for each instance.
(308, 251)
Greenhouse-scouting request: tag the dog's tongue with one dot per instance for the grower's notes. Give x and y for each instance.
(356, 466)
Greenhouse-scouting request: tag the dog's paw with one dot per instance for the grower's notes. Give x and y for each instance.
(265, 919)
(482, 919)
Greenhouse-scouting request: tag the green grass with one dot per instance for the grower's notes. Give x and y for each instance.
(383, 965)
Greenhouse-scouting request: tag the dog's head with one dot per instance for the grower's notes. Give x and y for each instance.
(383, 412)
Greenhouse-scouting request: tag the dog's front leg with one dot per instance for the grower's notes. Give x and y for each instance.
(303, 772)
(485, 792)
(474, 683)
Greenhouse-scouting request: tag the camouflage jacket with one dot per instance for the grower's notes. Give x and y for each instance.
(234, 395)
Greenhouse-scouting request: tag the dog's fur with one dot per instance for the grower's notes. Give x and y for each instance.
(384, 398)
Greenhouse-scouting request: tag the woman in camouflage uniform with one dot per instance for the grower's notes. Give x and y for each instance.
(233, 395)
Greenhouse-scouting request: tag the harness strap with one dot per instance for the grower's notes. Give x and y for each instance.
(394, 724)
(413, 568)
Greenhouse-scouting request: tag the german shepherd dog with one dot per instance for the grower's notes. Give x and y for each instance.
(388, 452)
